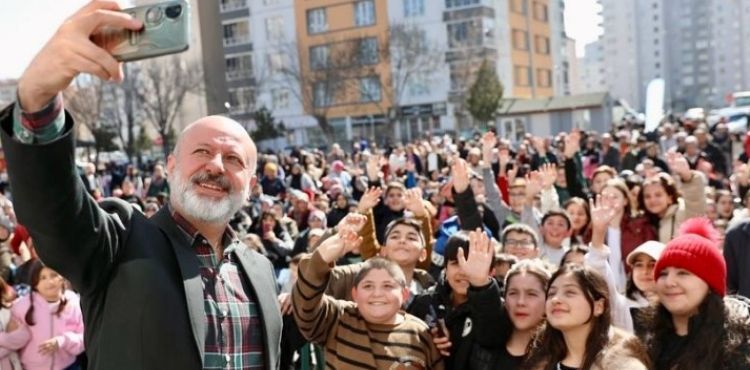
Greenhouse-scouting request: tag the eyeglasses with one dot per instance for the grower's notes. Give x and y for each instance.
(512, 243)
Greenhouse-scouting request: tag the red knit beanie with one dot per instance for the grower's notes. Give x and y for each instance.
(696, 250)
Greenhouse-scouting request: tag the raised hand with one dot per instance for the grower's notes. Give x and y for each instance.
(602, 213)
(549, 175)
(460, 171)
(572, 144)
(534, 184)
(413, 202)
(369, 199)
(345, 240)
(679, 165)
(512, 173)
(373, 167)
(71, 52)
(351, 223)
(489, 140)
(477, 265)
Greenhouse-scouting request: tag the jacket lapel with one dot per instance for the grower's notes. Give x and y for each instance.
(191, 277)
(261, 277)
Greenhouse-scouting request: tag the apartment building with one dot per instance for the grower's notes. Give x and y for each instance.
(345, 73)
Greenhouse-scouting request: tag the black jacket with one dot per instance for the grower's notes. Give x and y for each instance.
(482, 308)
(141, 290)
(737, 257)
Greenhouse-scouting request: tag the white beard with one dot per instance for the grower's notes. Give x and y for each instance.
(184, 197)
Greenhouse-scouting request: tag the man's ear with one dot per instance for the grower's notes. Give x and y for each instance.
(405, 293)
(171, 161)
(253, 181)
(423, 254)
(354, 293)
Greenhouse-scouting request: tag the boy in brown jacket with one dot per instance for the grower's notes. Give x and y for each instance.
(372, 332)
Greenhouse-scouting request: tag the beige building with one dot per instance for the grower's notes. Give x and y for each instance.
(345, 75)
(531, 52)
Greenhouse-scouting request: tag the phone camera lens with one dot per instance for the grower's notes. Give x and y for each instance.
(173, 11)
(154, 15)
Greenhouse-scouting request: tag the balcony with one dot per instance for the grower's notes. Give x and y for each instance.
(236, 40)
(238, 74)
(229, 5)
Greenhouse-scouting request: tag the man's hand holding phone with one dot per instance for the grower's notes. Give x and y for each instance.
(71, 52)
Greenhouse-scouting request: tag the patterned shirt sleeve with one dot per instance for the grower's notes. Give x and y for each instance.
(39, 127)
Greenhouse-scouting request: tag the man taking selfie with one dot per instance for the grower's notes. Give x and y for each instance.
(176, 291)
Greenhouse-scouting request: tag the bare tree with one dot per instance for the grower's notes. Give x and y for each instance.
(163, 84)
(413, 57)
(126, 115)
(84, 99)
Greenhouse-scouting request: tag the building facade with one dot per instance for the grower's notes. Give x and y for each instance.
(695, 45)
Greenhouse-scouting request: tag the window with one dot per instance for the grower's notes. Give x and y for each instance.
(238, 66)
(369, 89)
(540, 12)
(463, 34)
(522, 75)
(275, 28)
(368, 51)
(276, 62)
(544, 77)
(228, 5)
(236, 33)
(316, 21)
(280, 98)
(321, 95)
(541, 44)
(520, 40)
(364, 13)
(519, 6)
(319, 57)
(241, 99)
(413, 8)
(459, 3)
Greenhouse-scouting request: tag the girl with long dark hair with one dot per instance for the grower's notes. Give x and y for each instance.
(578, 334)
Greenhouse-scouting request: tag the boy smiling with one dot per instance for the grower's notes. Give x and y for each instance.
(372, 332)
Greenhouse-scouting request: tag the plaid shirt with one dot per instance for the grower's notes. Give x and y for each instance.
(234, 339)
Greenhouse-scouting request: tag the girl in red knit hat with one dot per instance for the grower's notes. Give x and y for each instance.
(694, 326)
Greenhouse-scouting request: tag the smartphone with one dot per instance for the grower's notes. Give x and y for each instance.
(166, 30)
(438, 321)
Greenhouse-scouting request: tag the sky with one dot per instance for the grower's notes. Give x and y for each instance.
(581, 22)
(25, 25)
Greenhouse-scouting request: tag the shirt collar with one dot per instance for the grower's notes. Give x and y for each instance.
(185, 225)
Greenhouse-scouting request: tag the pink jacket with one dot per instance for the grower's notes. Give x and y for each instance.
(66, 328)
(10, 342)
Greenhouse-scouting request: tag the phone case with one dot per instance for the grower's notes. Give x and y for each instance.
(165, 31)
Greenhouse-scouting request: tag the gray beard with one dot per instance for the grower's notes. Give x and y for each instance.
(203, 209)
